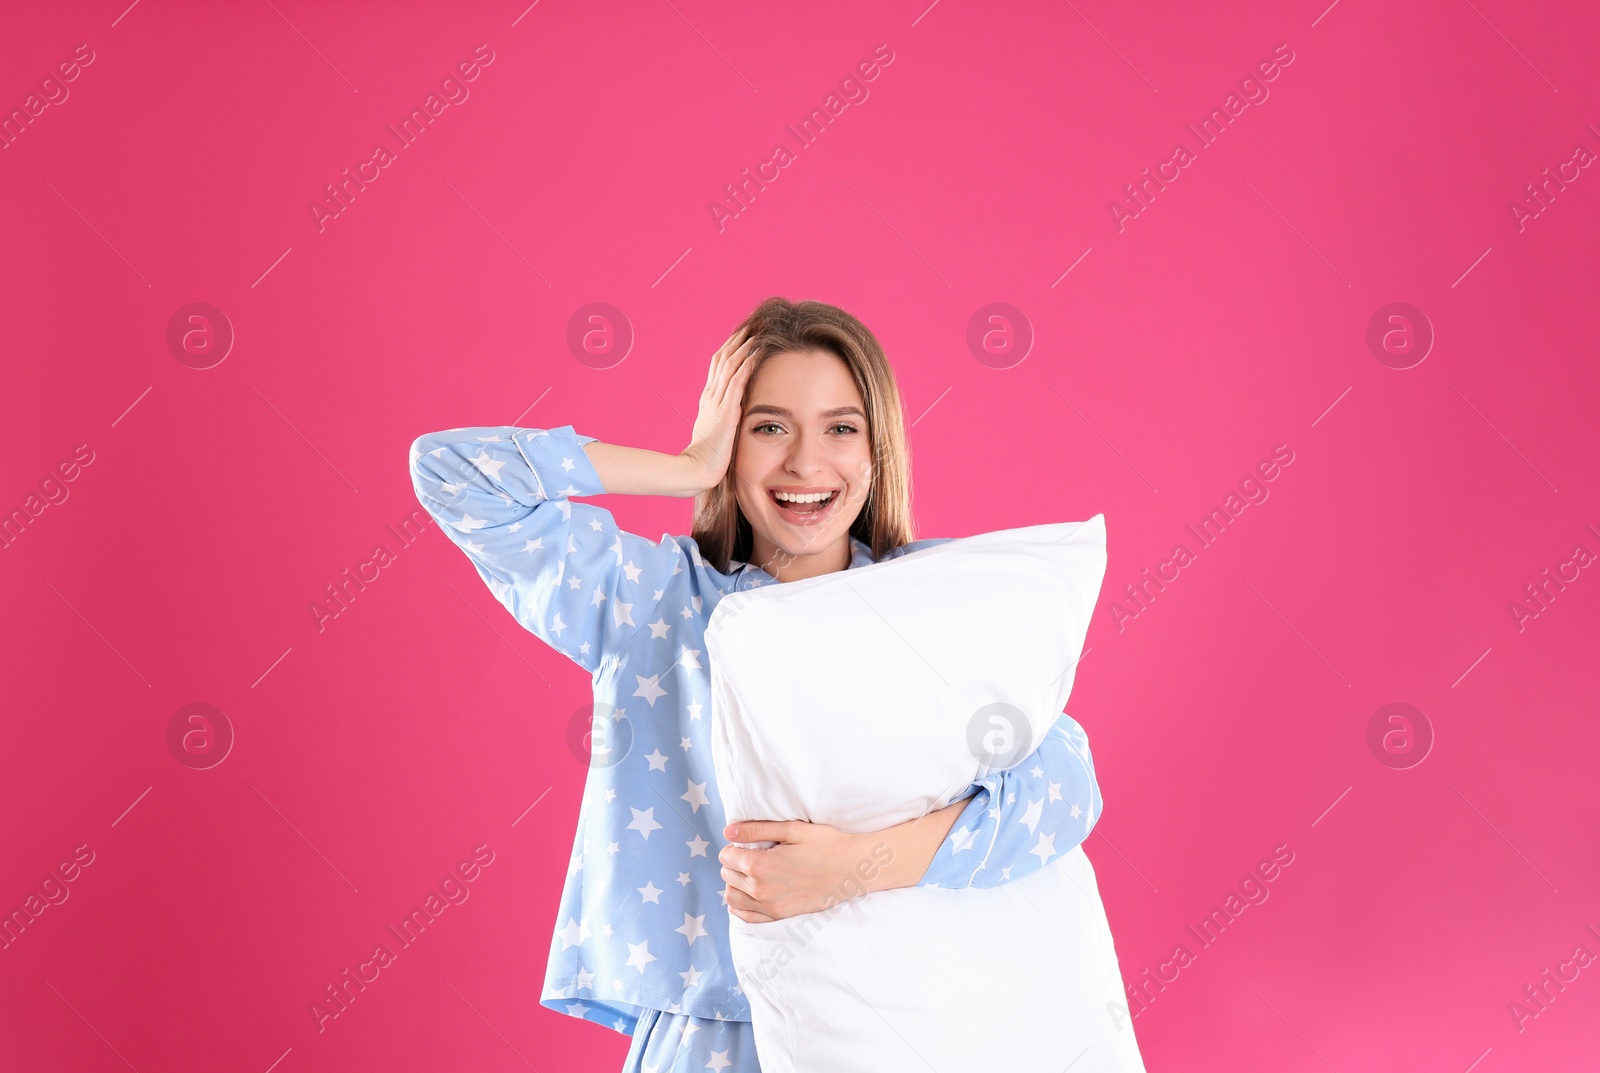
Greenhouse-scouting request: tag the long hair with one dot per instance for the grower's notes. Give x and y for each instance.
(778, 326)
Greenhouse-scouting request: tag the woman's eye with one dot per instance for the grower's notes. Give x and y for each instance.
(774, 425)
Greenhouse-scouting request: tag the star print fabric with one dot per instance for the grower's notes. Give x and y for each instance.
(678, 1043)
(642, 922)
(1051, 795)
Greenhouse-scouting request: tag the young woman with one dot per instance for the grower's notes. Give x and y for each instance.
(798, 462)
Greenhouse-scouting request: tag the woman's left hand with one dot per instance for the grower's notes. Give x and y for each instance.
(812, 867)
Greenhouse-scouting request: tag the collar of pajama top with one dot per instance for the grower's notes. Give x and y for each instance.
(642, 921)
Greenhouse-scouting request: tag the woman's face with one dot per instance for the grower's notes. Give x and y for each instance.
(803, 431)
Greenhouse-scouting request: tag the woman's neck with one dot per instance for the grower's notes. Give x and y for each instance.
(786, 567)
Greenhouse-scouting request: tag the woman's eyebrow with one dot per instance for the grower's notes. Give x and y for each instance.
(838, 411)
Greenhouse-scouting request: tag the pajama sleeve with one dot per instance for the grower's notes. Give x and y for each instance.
(1022, 818)
(564, 570)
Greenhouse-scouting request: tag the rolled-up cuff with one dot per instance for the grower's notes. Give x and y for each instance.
(559, 462)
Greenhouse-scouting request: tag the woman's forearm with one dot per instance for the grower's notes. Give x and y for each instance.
(912, 845)
(636, 471)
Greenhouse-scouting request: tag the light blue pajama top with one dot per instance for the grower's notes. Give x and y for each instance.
(643, 920)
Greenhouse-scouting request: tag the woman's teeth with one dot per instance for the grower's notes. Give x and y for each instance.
(807, 503)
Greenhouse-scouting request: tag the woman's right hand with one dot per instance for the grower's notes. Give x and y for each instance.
(716, 427)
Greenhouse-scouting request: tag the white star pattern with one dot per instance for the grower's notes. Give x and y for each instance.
(650, 688)
(644, 821)
(573, 934)
(695, 795)
(639, 955)
(692, 927)
(1030, 817)
(503, 496)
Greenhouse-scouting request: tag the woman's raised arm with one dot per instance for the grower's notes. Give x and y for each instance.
(566, 571)
(703, 463)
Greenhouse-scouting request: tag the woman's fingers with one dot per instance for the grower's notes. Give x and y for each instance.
(748, 861)
(732, 359)
(748, 909)
(761, 831)
(737, 881)
(715, 431)
(717, 374)
(735, 341)
(741, 372)
(719, 361)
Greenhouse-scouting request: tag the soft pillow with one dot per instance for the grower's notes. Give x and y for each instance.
(866, 697)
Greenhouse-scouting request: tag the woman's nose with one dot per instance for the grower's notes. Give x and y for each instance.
(805, 454)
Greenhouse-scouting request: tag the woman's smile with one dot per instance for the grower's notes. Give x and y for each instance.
(804, 505)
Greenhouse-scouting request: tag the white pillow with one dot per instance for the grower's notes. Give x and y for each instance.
(866, 697)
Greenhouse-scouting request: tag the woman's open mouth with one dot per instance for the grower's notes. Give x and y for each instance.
(809, 508)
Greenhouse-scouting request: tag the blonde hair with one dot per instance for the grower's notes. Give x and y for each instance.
(780, 326)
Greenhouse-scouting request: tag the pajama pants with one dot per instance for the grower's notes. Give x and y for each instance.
(677, 1043)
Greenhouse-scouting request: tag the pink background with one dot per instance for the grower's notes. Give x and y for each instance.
(1229, 717)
